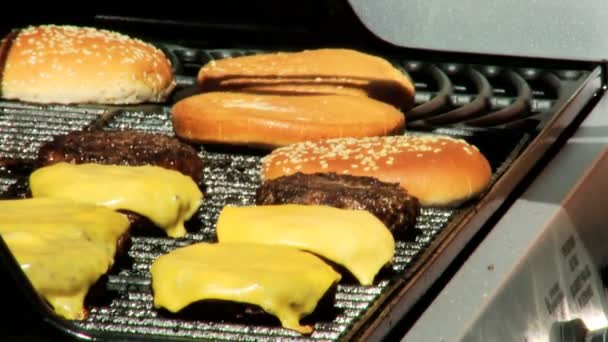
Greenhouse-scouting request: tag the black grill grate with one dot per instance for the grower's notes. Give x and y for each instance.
(229, 178)
(24, 127)
(232, 178)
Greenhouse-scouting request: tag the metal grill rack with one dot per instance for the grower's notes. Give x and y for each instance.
(443, 91)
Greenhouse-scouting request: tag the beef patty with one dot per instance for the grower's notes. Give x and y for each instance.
(387, 201)
(126, 147)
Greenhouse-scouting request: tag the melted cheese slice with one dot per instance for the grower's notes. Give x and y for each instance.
(166, 197)
(62, 247)
(355, 239)
(283, 281)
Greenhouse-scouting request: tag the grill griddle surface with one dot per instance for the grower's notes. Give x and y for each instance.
(229, 178)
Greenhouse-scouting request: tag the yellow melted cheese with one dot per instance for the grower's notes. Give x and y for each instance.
(166, 197)
(355, 239)
(283, 281)
(62, 247)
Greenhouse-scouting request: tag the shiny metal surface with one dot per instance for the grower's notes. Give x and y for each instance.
(573, 30)
(514, 271)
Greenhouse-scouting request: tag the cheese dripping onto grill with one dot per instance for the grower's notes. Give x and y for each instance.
(166, 197)
(354, 239)
(283, 281)
(62, 247)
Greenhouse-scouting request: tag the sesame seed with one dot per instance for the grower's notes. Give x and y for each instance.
(59, 41)
(365, 153)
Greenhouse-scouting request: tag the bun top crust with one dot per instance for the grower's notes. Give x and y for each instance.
(438, 170)
(319, 71)
(70, 64)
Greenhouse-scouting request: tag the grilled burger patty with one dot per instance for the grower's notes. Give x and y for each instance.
(389, 202)
(127, 147)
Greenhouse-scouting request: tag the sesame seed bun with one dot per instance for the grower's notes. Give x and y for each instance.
(438, 170)
(69, 64)
(318, 71)
(272, 120)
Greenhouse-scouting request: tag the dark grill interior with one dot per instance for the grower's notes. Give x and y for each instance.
(480, 104)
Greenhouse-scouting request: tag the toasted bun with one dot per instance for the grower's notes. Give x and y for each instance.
(68, 64)
(439, 171)
(272, 120)
(320, 71)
